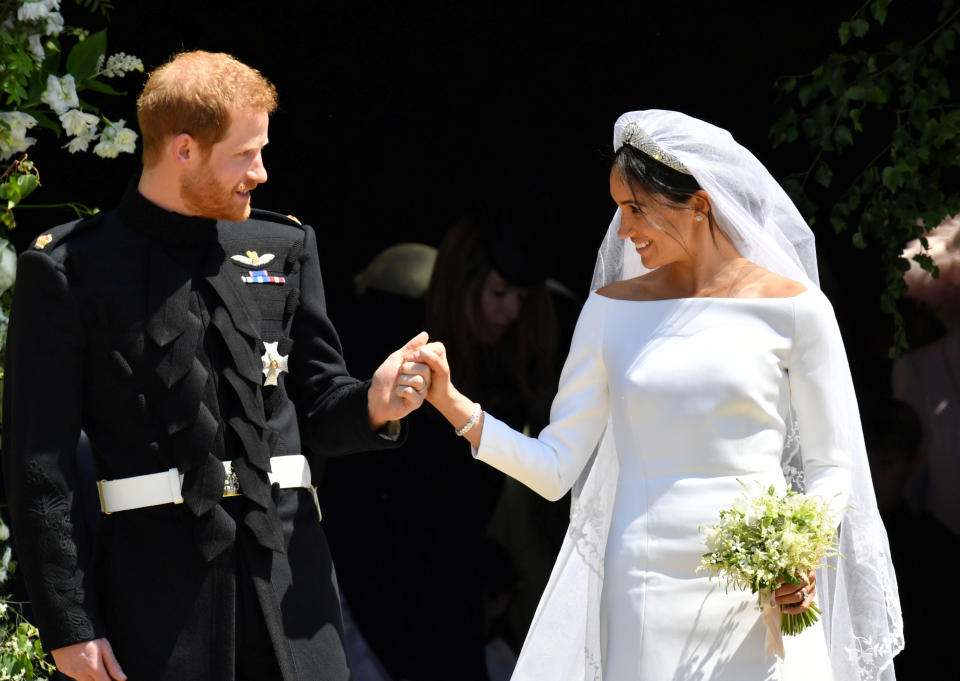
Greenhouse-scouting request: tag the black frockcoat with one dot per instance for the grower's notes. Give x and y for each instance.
(135, 326)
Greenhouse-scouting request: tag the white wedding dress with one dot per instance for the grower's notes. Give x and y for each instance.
(697, 391)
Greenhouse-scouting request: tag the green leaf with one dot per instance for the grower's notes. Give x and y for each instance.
(897, 46)
(843, 136)
(943, 44)
(855, 119)
(859, 27)
(82, 60)
(858, 240)
(17, 188)
(97, 86)
(926, 262)
(839, 225)
(891, 178)
(788, 85)
(879, 10)
(45, 121)
(824, 175)
(844, 32)
(877, 95)
(856, 92)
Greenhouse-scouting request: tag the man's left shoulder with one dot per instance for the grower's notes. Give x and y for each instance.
(266, 228)
(276, 221)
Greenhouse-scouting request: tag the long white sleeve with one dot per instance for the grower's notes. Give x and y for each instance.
(818, 360)
(550, 463)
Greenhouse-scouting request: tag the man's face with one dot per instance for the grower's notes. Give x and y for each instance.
(219, 186)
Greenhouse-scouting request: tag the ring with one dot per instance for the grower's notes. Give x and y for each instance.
(803, 595)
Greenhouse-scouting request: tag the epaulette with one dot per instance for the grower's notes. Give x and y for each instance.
(260, 213)
(49, 240)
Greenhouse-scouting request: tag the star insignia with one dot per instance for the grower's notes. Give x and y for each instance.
(42, 241)
(273, 363)
(253, 259)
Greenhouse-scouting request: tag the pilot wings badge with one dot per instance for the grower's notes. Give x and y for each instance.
(253, 259)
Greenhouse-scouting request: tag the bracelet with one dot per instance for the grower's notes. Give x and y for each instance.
(469, 424)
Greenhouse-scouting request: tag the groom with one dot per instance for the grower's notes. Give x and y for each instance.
(188, 337)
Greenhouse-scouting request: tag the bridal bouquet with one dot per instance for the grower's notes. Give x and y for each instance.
(766, 539)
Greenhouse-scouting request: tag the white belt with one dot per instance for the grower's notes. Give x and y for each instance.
(154, 489)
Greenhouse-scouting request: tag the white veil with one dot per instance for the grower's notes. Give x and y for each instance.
(859, 600)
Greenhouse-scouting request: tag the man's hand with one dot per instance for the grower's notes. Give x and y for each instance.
(88, 661)
(398, 387)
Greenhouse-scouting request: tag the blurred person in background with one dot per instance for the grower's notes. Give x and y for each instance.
(412, 524)
(893, 435)
(928, 377)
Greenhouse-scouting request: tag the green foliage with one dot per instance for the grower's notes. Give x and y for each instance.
(20, 179)
(38, 96)
(21, 655)
(101, 6)
(883, 129)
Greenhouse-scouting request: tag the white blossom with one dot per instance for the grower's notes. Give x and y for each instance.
(61, 93)
(80, 142)
(34, 10)
(115, 139)
(75, 122)
(54, 23)
(36, 46)
(119, 64)
(9, 271)
(13, 133)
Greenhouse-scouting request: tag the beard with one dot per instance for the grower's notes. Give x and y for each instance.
(206, 197)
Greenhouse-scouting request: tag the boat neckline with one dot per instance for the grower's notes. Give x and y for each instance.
(710, 298)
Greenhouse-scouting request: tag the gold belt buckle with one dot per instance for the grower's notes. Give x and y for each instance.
(231, 484)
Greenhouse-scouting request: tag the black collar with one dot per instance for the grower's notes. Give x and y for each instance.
(168, 227)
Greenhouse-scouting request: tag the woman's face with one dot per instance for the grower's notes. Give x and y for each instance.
(500, 304)
(656, 230)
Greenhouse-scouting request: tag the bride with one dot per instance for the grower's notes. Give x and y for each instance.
(705, 349)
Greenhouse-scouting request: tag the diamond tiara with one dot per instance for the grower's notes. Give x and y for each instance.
(635, 136)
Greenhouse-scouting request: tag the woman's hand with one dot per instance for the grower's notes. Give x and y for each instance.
(456, 407)
(796, 598)
(434, 355)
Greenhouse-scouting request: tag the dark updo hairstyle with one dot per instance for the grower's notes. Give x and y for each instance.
(657, 179)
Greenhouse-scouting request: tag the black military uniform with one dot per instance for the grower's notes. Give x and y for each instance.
(147, 329)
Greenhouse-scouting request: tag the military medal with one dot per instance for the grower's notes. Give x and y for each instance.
(273, 363)
(262, 277)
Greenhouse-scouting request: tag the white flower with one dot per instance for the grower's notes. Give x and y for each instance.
(80, 143)
(33, 10)
(75, 122)
(8, 272)
(54, 23)
(118, 64)
(36, 46)
(13, 133)
(712, 537)
(115, 139)
(61, 93)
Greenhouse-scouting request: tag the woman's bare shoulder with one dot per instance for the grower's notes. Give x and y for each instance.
(767, 284)
(645, 287)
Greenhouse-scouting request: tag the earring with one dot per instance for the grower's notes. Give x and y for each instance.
(698, 218)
